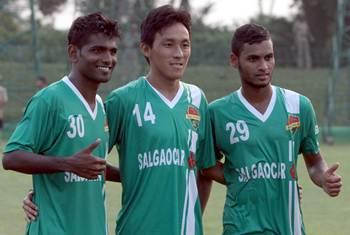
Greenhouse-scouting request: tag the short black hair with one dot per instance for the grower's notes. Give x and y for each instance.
(161, 17)
(84, 26)
(248, 33)
(42, 78)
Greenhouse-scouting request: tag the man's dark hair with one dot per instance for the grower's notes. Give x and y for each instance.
(162, 17)
(42, 79)
(84, 26)
(248, 33)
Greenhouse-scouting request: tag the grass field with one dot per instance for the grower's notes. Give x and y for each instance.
(215, 81)
(322, 215)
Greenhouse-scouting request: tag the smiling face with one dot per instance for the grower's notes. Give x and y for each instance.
(255, 63)
(170, 52)
(96, 59)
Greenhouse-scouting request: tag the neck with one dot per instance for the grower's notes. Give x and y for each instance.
(87, 88)
(167, 87)
(258, 97)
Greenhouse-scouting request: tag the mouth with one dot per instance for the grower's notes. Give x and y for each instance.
(177, 65)
(104, 68)
(263, 76)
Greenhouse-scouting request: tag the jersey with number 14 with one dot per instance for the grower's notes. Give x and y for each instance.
(260, 160)
(58, 122)
(161, 145)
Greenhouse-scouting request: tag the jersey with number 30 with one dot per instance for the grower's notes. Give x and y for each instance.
(260, 160)
(58, 122)
(161, 145)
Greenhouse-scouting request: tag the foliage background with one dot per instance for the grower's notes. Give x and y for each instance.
(209, 68)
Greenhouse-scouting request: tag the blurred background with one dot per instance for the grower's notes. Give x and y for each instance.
(311, 39)
(312, 50)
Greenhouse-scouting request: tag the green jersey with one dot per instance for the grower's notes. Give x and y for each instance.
(161, 145)
(58, 122)
(261, 153)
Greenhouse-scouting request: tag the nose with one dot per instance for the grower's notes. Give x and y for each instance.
(178, 53)
(263, 65)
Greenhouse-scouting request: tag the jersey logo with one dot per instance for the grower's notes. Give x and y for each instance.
(192, 161)
(193, 115)
(293, 123)
(292, 172)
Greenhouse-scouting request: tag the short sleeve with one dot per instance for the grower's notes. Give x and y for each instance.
(114, 111)
(206, 146)
(309, 143)
(36, 131)
(218, 154)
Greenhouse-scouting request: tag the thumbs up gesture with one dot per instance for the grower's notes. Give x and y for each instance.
(85, 164)
(332, 181)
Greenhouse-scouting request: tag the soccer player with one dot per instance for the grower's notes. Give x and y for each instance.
(62, 138)
(161, 129)
(260, 129)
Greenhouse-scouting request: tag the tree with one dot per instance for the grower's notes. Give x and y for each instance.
(47, 7)
(282, 35)
(185, 4)
(320, 13)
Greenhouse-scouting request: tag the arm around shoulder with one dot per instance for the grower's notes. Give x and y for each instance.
(215, 173)
(204, 185)
(112, 173)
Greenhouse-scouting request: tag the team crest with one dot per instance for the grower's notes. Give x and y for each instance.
(193, 115)
(293, 123)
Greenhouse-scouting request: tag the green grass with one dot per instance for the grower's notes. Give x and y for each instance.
(322, 215)
(216, 81)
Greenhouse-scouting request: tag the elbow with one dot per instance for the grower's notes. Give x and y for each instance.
(6, 162)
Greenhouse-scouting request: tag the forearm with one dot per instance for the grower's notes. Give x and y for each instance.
(112, 173)
(31, 163)
(215, 173)
(204, 185)
(316, 167)
(322, 175)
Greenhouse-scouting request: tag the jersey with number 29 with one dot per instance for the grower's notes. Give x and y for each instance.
(161, 145)
(261, 153)
(58, 122)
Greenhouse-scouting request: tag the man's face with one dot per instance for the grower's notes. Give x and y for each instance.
(40, 84)
(170, 52)
(96, 59)
(255, 63)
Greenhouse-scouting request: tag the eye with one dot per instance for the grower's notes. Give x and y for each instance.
(269, 57)
(114, 51)
(186, 45)
(252, 58)
(167, 44)
(96, 50)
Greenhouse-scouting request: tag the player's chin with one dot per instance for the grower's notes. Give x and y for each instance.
(176, 75)
(107, 79)
(103, 78)
(261, 84)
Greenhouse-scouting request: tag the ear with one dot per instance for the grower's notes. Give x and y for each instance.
(234, 60)
(145, 49)
(73, 53)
